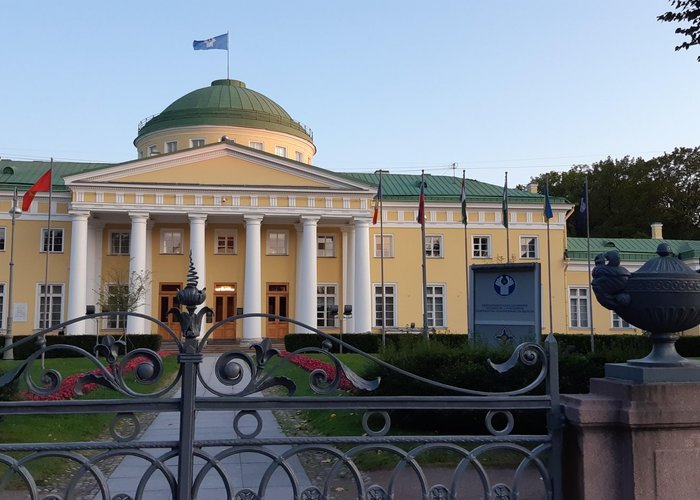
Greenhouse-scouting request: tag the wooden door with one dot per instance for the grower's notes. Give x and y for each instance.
(224, 307)
(167, 299)
(277, 303)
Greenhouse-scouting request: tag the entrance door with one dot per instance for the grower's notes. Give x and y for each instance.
(277, 303)
(168, 300)
(224, 306)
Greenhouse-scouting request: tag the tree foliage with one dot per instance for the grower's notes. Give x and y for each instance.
(123, 291)
(626, 195)
(685, 11)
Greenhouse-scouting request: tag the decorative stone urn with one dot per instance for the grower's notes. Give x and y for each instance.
(662, 297)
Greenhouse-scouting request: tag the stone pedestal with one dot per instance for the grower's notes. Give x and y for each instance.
(632, 441)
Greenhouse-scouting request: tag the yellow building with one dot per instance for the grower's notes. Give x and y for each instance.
(225, 173)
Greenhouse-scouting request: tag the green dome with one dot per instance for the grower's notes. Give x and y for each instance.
(225, 103)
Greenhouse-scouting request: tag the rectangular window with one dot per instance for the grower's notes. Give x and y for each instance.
(277, 243)
(618, 322)
(433, 246)
(299, 156)
(50, 310)
(3, 232)
(529, 247)
(226, 242)
(325, 298)
(481, 247)
(388, 245)
(152, 150)
(197, 143)
(389, 300)
(119, 242)
(326, 245)
(116, 300)
(281, 151)
(578, 307)
(171, 147)
(256, 145)
(2, 305)
(436, 306)
(171, 241)
(52, 240)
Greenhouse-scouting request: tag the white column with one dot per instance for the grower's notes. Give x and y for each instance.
(78, 271)
(309, 273)
(148, 299)
(94, 269)
(362, 308)
(350, 296)
(198, 249)
(299, 286)
(137, 266)
(252, 327)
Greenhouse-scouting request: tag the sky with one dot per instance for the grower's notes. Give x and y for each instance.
(489, 87)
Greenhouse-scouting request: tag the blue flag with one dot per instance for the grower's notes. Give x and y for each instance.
(547, 205)
(218, 42)
(582, 216)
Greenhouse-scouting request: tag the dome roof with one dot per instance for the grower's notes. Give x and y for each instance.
(225, 103)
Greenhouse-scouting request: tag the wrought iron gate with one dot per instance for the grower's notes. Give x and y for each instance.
(311, 467)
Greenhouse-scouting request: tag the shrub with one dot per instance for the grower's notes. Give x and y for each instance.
(372, 342)
(86, 342)
(8, 392)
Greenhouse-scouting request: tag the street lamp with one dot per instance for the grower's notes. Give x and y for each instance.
(15, 212)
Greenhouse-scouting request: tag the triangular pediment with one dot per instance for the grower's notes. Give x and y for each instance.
(219, 165)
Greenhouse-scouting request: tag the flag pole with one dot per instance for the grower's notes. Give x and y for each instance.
(381, 258)
(421, 213)
(8, 334)
(463, 195)
(588, 258)
(47, 309)
(549, 257)
(505, 218)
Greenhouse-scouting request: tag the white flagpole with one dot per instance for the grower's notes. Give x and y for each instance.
(10, 305)
(47, 309)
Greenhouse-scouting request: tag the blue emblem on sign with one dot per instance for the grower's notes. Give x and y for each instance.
(504, 285)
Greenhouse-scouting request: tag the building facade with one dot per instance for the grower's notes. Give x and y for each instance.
(225, 175)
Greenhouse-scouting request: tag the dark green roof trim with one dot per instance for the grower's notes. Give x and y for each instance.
(631, 249)
(401, 187)
(226, 103)
(22, 174)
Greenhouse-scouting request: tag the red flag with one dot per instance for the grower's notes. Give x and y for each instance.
(377, 201)
(40, 186)
(421, 204)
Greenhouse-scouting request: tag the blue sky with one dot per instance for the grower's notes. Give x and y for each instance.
(494, 86)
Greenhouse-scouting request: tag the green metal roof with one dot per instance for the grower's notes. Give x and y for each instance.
(443, 188)
(22, 174)
(226, 103)
(631, 249)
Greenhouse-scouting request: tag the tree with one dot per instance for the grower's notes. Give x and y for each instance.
(123, 292)
(685, 11)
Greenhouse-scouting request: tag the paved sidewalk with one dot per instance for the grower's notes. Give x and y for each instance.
(243, 470)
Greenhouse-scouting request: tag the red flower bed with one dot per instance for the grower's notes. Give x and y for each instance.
(67, 389)
(311, 364)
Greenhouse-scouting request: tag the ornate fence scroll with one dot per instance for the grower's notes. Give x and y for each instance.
(244, 389)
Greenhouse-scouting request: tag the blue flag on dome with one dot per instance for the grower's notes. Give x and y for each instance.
(217, 42)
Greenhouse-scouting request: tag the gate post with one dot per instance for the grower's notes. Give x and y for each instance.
(554, 419)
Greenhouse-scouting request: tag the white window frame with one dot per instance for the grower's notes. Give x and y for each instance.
(3, 306)
(577, 295)
(111, 241)
(525, 247)
(322, 240)
(51, 243)
(38, 316)
(226, 233)
(391, 301)
(323, 318)
(621, 323)
(388, 249)
(3, 238)
(269, 249)
(431, 297)
(162, 247)
(171, 146)
(281, 151)
(114, 322)
(482, 238)
(299, 156)
(260, 146)
(200, 142)
(152, 150)
(430, 240)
